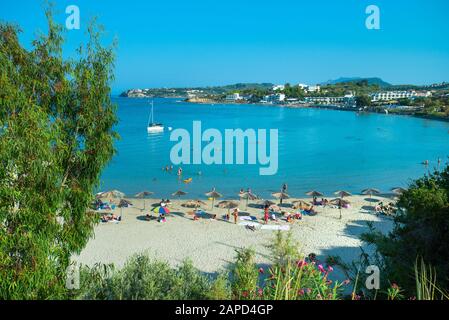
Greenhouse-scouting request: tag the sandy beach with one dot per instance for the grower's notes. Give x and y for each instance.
(211, 244)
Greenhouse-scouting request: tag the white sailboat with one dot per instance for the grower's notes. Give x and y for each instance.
(154, 127)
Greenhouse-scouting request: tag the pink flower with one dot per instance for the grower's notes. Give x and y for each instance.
(395, 286)
(245, 293)
(260, 291)
(346, 282)
(329, 282)
(301, 263)
(261, 270)
(330, 269)
(308, 290)
(320, 267)
(301, 292)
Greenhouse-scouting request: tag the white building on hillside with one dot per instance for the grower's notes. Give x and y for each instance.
(233, 97)
(278, 87)
(308, 88)
(274, 98)
(392, 95)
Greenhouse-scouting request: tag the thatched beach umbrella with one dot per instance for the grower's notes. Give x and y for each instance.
(248, 196)
(370, 191)
(281, 196)
(110, 194)
(299, 203)
(179, 193)
(314, 193)
(142, 195)
(398, 190)
(266, 203)
(340, 203)
(123, 204)
(214, 195)
(193, 204)
(228, 204)
(342, 193)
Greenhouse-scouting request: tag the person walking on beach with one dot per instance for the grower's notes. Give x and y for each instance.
(236, 215)
(179, 172)
(266, 214)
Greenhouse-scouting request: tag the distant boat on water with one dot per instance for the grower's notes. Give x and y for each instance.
(154, 127)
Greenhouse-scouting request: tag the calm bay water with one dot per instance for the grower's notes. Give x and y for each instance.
(325, 150)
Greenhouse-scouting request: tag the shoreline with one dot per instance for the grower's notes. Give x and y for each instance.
(297, 106)
(330, 107)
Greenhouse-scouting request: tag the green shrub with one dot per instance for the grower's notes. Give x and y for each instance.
(144, 279)
(421, 229)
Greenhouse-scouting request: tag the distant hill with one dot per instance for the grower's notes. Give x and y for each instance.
(371, 81)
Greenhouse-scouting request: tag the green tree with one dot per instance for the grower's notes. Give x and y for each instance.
(420, 232)
(56, 135)
(363, 101)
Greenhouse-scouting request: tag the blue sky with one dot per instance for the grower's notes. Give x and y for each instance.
(198, 42)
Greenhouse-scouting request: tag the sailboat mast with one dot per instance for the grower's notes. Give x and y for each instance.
(152, 112)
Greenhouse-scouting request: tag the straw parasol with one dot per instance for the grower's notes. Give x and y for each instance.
(398, 190)
(342, 193)
(214, 195)
(266, 203)
(370, 191)
(228, 204)
(280, 196)
(193, 204)
(142, 195)
(340, 203)
(314, 193)
(299, 203)
(124, 203)
(179, 193)
(248, 196)
(110, 194)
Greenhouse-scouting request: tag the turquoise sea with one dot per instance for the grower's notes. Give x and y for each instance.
(324, 150)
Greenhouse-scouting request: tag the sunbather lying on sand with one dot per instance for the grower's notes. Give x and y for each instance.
(110, 217)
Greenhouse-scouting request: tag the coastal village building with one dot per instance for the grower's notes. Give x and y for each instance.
(394, 95)
(348, 100)
(278, 87)
(308, 88)
(233, 97)
(274, 98)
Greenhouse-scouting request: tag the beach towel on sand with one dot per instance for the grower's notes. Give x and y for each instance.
(248, 218)
(275, 227)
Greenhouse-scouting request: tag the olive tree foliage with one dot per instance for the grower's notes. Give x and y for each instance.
(56, 135)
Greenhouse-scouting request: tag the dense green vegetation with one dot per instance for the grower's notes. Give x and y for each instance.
(289, 277)
(56, 135)
(421, 232)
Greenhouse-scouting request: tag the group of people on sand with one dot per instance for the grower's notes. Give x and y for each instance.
(110, 217)
(323, 202)
(387, 210)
